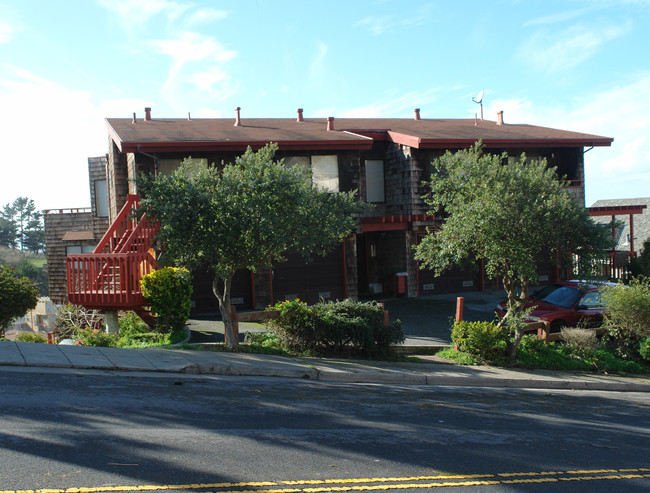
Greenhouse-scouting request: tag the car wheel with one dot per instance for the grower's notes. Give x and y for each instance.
(557, 326)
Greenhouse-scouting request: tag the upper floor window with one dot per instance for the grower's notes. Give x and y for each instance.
(101, 198)
(168, 166)
(324, 170)
(375, 188)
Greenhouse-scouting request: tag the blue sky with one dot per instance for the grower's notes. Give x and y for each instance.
(65, 66)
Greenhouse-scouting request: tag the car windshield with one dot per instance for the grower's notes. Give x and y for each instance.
(563, 296)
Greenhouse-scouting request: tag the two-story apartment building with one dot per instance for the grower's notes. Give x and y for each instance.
(386, 159)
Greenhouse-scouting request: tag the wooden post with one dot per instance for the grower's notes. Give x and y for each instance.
(460, 301)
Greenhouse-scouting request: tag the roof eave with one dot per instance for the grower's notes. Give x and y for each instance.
(515, 143)
(296, 145)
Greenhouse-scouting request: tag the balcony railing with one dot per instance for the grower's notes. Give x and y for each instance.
(109, 278)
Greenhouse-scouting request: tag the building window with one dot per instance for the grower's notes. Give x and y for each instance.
(77, 249)
(375, 191)
(101, 198)
(324, 170)
(168, 166)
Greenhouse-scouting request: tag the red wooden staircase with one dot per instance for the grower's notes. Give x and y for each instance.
(109, 278)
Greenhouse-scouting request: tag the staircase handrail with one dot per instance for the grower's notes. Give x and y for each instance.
(142, 224)
(121, 220)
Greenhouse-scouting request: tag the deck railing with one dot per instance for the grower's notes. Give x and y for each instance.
(109, 278)
(108, 281)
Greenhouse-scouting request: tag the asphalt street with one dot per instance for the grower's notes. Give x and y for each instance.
(114, 431)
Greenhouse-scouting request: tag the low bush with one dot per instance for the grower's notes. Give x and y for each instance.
(533, 353)
(482, 339)
(644, 348)
(30, 337)
(334, 328)
(628, 316)
(169, 293)
(18, 295)
(581, 341)
(95, 337)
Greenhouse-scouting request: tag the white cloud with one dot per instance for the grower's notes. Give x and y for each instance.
(316, 68)
(620, 112)
(133, 13)
(198, 61)
(394, 104)
(378, 25)
(555, 18)
(206, 15)
(48, 133)
(8, 30)
(551, 51)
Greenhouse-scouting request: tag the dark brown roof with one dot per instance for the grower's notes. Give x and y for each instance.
(350, 133)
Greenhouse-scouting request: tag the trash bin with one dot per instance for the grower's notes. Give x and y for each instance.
(400, 282)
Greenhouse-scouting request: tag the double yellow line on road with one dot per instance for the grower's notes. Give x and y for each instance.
(372, 484)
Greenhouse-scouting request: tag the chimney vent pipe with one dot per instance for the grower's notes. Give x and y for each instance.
(300, 119)
(134, 119)
(147, 114)
(189, 117)
(417, 113)
(500, 117)
(237, 118)
(330, 123)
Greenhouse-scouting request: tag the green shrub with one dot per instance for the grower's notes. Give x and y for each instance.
(18, 295)
(168, 291)
(483, 339)
(644, 348)
(533, 353)
(335, 327)
(263, 339)
(628, 307)
(30, 337)
(95, 337)
(627, 319)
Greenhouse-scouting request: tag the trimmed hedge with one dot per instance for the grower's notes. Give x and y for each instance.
(335, 327)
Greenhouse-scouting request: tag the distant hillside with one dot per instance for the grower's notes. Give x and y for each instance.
(12, 257)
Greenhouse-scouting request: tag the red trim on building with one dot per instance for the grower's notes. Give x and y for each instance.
(391, 223)
(616, 210)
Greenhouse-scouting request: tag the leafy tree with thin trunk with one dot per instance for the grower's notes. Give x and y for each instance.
(242, 216)
(18, 295)
(508, 215)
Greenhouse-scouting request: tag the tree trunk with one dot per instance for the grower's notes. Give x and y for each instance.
(224, 308)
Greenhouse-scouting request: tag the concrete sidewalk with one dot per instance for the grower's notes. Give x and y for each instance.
(428, 372)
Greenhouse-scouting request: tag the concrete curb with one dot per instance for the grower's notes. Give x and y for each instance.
(334, 371)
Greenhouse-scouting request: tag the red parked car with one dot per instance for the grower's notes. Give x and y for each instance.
(565, 304)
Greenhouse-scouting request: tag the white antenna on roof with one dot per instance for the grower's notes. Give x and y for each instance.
(479, 101)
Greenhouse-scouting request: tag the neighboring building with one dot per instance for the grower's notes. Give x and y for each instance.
(41, 319)
(634, 228)
(71, 231)
(386, 160)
